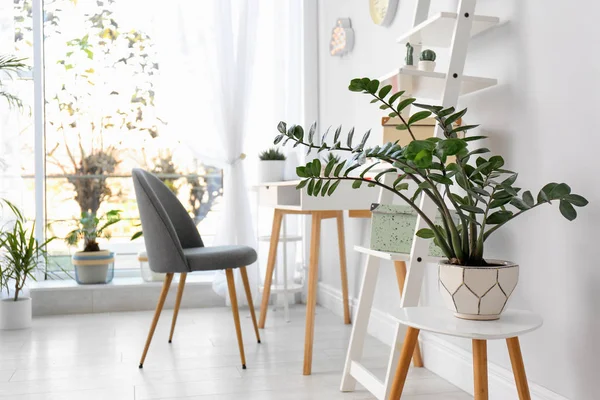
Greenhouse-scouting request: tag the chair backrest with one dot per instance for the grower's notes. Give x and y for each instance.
(167, 227)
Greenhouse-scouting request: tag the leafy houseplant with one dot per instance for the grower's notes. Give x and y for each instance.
(93, 265)
(477, 189)
(427, 60)
(9, 65)
(21, 255)
(271, 165)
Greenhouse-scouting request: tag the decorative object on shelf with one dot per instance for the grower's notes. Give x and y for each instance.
(342, 38)
(21, 253)
(271, 165)
(383, 11)
(409, 56)
(479, 188)
(427, 60)
(147, 274)
(93, 265)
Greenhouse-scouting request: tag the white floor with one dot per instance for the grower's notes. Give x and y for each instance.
(95, 356)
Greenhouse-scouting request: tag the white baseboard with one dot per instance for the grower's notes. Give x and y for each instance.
(450, 362)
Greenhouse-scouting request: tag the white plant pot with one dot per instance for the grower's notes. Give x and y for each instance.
(93, 267)
(271, 170)
(477, 293)
(147, 274)
(428, 66)
(15, 314)
(410, 67)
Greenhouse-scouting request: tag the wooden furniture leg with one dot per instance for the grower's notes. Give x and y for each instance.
(311, 299)
(410, 341)
(182, 277)
(236, 314)
(516, 360)
(159, 307)
(480, 369)
(275, 231)
(400, 267)
(244, 274)
(343, 269)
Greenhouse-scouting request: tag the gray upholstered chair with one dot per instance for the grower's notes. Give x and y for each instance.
(174, 246)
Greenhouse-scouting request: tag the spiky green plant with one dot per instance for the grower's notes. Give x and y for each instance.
(90, 228)
(480, 190)
(272, 154)
(11, 65)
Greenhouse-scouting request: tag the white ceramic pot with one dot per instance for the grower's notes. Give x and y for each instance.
(428, 66)
(271, 170)
(477, 293)
(15, 314)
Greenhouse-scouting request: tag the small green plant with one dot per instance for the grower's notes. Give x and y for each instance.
(91, 228)
(409, 54)
(331, 158)
(11, 65)
(273, 154)
(427, 55)
(21, 252)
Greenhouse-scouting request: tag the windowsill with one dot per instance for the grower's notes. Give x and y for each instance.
(117, 283)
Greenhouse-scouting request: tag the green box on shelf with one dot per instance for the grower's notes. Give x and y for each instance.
(393, 229)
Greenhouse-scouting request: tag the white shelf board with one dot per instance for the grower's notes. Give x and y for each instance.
(437, 30)
(278, 288)
(386, 255)
(430, 85)
(289, 238)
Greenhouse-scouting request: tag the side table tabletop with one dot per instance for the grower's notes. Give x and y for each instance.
(510, 326)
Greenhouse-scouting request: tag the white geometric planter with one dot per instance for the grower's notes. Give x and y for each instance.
(15, 314)
(477, 293)
(428, 66)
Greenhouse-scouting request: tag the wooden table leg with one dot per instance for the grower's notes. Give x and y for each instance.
(275, 231)
(311, 299)
(400, 267)
(480, 369)
(408, 348)
(516, 360)
(343, 269)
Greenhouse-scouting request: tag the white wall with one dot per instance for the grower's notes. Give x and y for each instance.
(541, 118)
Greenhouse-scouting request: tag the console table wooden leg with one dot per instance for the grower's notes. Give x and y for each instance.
(410, 341)
(343, 270)
(275, 231)
(516, 360)
(480, 369)
(311, 298)
(400, 267)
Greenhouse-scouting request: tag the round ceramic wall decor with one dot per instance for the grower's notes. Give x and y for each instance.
(383, 11)
(342, 38)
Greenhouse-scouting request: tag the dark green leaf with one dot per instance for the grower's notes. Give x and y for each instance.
(395, 97)
(567, 210)
(329, 167)
(425, 185)
(473, 138)
(576, 200)
(282, 127)
(364, 172)
(301, 172)
(311, 131)
(336, 135)
(495, 203)
(373, 86)
(404, 103)
(302, 184)
(499, 217)
(401, 186)
(559, 191)
(439, 178)
(450, 147)
(421, 115)
(350, 137)
(384, 91)
(510, 180)
(528, 198)
(379, 175)
(351, 168)
(356, 184)
(338, 169)
(416, 146)
(425, 233)
(325, 188)
(543, 195)
(423, 159)
(520, 204)
(278, 139)
(455, 117)
(316, 167)
(317, 187)
(311, 186)
(480, 191)
(434, 109)
(463, 128)
(333, 187)
(478, 151)
(298, 132)
(472, 209)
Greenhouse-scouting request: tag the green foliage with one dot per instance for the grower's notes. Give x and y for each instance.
(427, 55)
(10, 65)
(474, 187)
(20, 252)
(90, 228)
(273, 154)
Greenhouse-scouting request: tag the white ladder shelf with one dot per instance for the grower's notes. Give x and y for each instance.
(453, 30)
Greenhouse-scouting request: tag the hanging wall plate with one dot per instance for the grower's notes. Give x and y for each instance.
(383, 11)
(342, 38)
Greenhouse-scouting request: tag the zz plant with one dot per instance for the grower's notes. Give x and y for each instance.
(91, 227)
(474, 194)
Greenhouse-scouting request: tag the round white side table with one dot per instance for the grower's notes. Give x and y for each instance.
(510, 326)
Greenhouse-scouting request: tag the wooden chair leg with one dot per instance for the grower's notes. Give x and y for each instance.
(275, 231)
(182, 277)
(516, 360)
(480, 369)
(400, 267)
(244, 274)
(159, 307)
(311, 298)
(236, 314)
(343, 269)
(408, 348)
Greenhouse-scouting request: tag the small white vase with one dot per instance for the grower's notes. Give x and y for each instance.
(477, 293)
(15, 314)
(427, 66)
(271, 170)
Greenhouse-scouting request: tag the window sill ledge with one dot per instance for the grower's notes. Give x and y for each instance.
(117, 283)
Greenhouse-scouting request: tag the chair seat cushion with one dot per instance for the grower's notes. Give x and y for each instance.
(219, 257)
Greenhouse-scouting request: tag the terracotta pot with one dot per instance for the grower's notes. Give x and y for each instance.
(477, 293)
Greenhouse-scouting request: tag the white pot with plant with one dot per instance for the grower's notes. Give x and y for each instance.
(479, 190)
(271, 165)
(20, 255)
(93, 265)
(427, 60)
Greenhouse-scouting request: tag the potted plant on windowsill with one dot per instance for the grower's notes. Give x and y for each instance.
(93, 265)
(20, 255)
(271, 165)
(478, 189)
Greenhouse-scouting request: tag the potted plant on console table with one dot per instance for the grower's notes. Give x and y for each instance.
(474, 194)
(93, 265)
